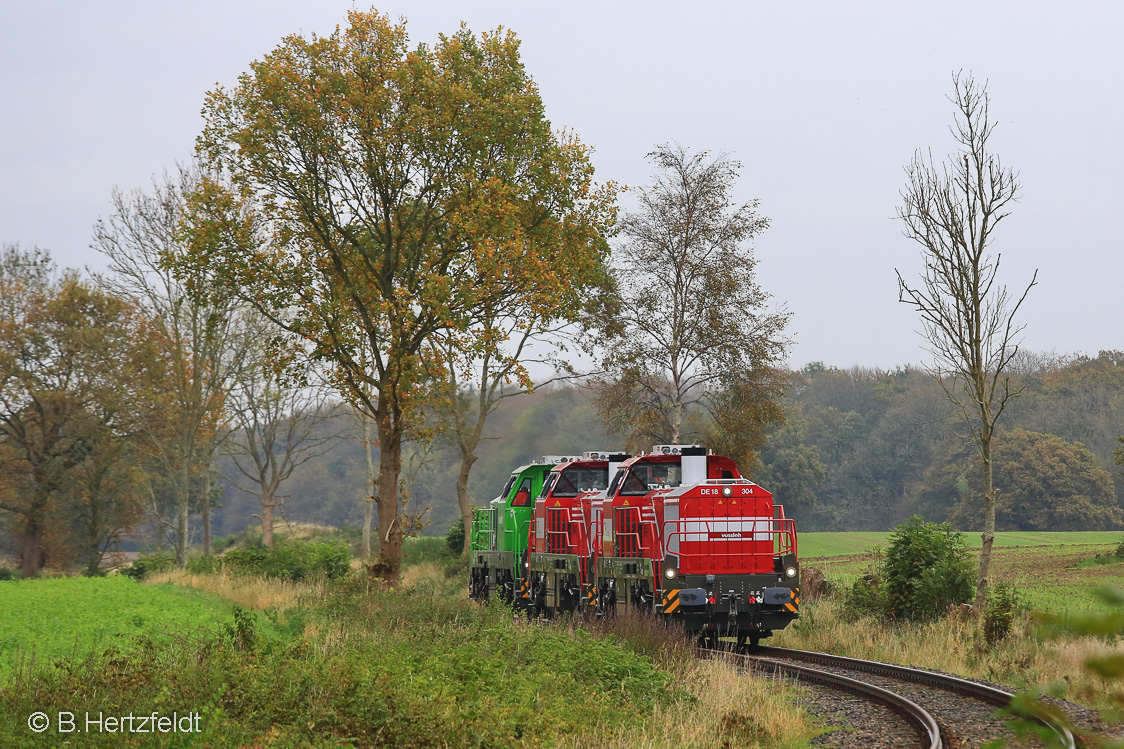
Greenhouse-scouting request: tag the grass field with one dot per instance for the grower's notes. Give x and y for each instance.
(61, 617)
(815, 545)
(1052, 571)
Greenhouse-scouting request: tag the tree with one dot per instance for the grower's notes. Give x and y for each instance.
(104, 497)
(190, 379)
(474, 389)
(952, 212)
(278, 416)
(383, 196)
(790, 468)
(1043, 483)
(65, 374)
(691, 338)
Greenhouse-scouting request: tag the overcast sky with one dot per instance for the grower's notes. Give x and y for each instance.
(823, 103)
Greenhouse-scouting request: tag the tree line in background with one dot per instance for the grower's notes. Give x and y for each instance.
(865, 449)
(344, 297)
(862, 449)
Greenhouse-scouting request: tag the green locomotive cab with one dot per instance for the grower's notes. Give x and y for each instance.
(498, 540)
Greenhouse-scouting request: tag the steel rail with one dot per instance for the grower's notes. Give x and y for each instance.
(975, 690)
(923, 724)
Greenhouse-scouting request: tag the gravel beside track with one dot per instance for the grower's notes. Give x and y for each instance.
(965, 720)
(863, 716)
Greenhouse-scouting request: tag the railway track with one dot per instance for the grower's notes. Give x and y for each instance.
(940, 710)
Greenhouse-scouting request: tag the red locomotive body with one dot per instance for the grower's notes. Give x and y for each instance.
(560, 547)
(677, 531)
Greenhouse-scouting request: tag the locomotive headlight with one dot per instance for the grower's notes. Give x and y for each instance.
(790, 571)
(727, 491)
(670, 573)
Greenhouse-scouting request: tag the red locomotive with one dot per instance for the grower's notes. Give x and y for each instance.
(677, 531)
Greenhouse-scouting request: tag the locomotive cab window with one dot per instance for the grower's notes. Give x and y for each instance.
(644, 478)
(616, 483)
(523, 496)
(578, 479)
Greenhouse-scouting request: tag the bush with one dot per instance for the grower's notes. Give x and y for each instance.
(864, 597)
(6, 573)
(926, 569)
(1003, 606)
(204, 565)
(288, 559)
(146, 564)
(455, 537)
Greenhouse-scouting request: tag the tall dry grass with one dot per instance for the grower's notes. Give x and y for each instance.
(726, 707)
(248, 591)
(953, 644)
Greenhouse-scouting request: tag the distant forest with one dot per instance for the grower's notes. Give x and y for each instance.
(862, 449)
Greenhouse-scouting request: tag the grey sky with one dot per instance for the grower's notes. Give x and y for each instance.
(823, 103)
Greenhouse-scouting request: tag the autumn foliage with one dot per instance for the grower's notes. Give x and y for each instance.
(382, 197)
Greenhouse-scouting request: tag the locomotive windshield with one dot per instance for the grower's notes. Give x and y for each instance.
(645, 477)
(579, 479)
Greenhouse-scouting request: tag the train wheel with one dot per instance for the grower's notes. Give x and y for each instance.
(506, 589)
(754, 639)
(606, 602)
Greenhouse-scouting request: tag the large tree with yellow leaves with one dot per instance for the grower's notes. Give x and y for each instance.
(382, 197)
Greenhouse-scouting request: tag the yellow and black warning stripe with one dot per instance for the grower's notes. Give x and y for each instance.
(525, 589)
(591, 596)
(670, 600)
(795, 601)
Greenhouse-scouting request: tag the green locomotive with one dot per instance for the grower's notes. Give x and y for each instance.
(498, 541)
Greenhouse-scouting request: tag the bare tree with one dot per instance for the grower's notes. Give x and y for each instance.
(968, 318)
(693, 336)
(279, 413)
(474, 388)
(194, 323)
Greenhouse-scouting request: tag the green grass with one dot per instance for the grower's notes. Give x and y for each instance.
(363, 666)
(1051, 571)
(61, 617)
(815, 545)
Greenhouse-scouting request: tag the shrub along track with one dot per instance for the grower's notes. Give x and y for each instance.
(963, 710)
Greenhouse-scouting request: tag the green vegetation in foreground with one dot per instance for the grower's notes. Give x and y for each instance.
(406, 667)
(60, 617)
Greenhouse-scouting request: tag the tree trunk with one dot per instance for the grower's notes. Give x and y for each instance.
(372, 477)
(676, 420)
(206, 502)
(988, 535)
(267, 505)
(390, 466)
(31, 549)
(467, 460)
(183, 501)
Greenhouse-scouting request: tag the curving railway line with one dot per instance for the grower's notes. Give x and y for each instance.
(937, 709)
